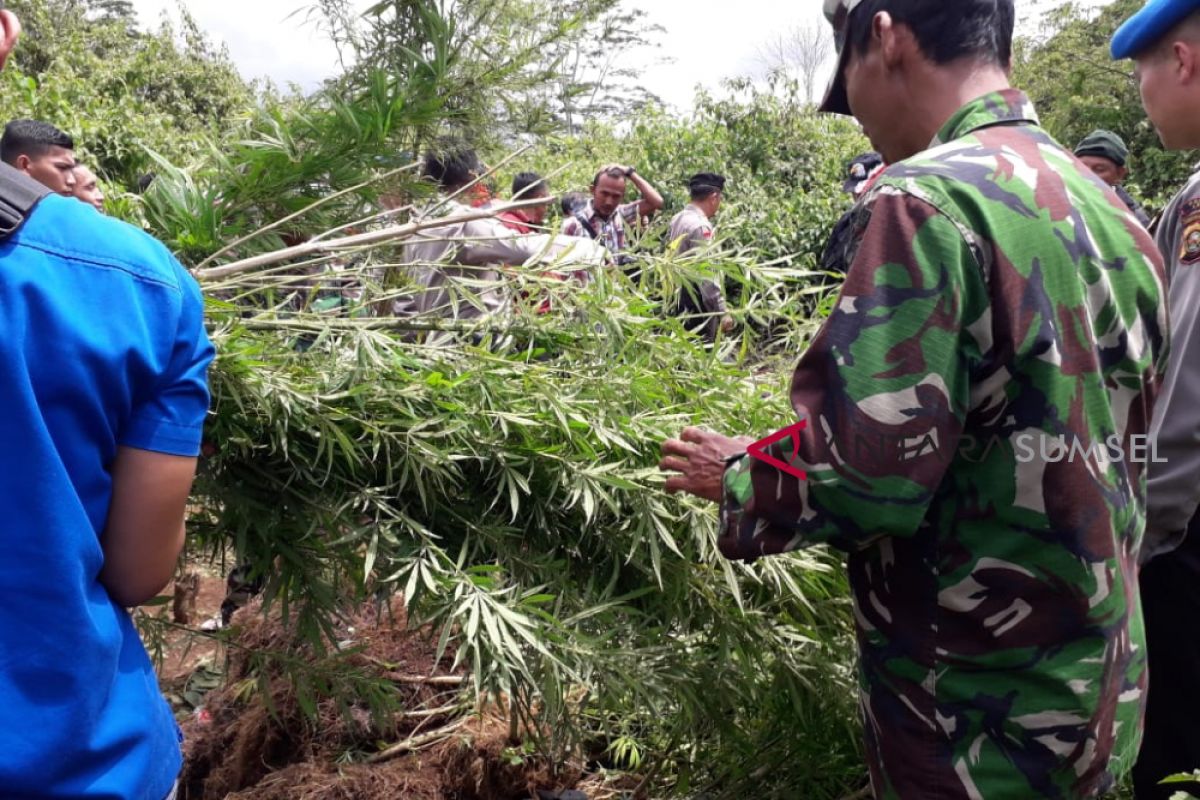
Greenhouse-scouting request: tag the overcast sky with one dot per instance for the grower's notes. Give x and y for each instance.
(707, 40)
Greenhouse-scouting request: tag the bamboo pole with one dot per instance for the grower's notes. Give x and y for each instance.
(304, 211)
(357, 240)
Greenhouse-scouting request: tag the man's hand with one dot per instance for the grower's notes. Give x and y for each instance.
(651, 201)
(699, 456)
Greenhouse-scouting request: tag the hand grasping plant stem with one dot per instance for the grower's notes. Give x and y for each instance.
(700, 457)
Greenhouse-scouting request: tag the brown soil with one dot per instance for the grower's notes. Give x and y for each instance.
(239, 749)
(184, 650)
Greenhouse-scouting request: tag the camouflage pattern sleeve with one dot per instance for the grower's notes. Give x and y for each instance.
(884, 391)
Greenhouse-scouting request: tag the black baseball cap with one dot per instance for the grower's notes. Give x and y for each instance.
(860, 169)
(838, 13)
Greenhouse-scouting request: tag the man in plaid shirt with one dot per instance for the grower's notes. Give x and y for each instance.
(606, 218)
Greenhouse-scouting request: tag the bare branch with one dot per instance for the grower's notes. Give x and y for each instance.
(798, 53)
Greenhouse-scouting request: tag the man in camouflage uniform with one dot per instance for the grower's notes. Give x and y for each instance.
(999, 300)
(1106, 154)
(1164, 41)
(692, 229)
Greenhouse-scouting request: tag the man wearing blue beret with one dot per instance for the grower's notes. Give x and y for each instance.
(1163, 39)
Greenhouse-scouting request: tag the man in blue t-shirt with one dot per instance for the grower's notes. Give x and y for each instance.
(103, 394)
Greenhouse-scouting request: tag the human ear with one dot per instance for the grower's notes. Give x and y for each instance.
(1185, 65)
(884, 31)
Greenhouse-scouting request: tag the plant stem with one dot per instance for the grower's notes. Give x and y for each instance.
(302, 212)
(433, 680)
(416, 742)
(358, 240)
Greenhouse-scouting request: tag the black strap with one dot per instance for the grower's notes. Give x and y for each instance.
(587, 225)
(19, 193)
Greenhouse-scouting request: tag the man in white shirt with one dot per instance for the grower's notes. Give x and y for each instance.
(456, 266)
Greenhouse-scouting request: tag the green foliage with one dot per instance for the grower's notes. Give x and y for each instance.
(785, 165)
(509, 491)
(1182, 778)
(512, 67)
(511, 495)
(290, 153)
(1077, 87)
(85, 67)
(419, 75)
(287, 155)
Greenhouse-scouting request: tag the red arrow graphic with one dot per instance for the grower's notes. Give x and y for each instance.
(759, 449)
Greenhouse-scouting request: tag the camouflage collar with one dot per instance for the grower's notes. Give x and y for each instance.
(997, 108)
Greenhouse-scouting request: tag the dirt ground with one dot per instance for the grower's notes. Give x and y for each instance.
(185, 651)
(433, 742)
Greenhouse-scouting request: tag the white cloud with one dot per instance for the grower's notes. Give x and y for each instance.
(706, 39)
(711, 40)
(266, 38)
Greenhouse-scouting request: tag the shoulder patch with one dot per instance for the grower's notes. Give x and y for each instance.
(1189, 224)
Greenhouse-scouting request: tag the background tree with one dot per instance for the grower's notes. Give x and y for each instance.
(514, 67)
(122, 92)
(113, 10)
(1065, 67)
(799, 54)
(599, 68)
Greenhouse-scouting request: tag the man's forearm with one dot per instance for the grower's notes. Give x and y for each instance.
(651, 200)
(145, 527)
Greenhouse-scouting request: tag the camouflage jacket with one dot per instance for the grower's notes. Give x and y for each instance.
(999, 302)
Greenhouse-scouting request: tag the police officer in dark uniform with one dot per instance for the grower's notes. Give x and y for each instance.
(860, 176)
(692, 229)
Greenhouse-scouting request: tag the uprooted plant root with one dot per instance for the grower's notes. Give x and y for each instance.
(436, 747)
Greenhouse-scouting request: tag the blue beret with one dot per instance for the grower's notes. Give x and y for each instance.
(1149, 25)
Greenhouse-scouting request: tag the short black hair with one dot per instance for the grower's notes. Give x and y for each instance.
(451, 165)
(945, 31)
(527, 185)
(572, 202)
(703, 185)
(612, 172)
(32, 138)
